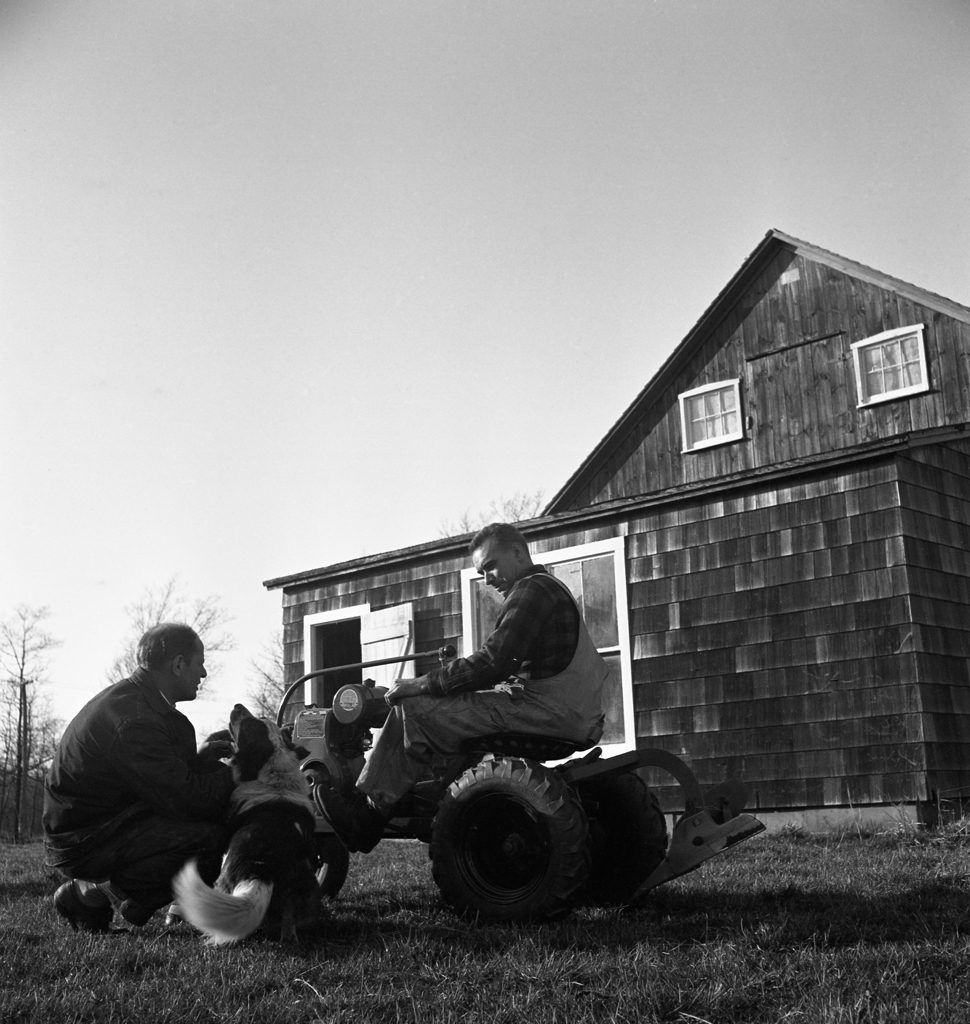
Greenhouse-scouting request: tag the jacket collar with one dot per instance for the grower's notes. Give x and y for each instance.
(142, 678)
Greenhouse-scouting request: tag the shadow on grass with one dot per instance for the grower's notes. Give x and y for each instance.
(832, 917)
(787, 917)
(781, 895)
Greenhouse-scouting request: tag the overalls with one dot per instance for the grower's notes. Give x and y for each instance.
(564, 706)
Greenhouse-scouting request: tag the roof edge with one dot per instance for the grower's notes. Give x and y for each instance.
(620, 507)
(716, 311)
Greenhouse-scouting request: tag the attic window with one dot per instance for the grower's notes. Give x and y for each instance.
(890, 365)
(711, 415)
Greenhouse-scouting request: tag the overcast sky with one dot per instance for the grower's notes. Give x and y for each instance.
(284, 283)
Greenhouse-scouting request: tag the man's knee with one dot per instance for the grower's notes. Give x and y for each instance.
(173, 842)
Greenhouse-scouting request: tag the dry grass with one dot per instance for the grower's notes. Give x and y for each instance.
(790, 928)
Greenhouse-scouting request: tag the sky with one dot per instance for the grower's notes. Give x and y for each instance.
(287, 283)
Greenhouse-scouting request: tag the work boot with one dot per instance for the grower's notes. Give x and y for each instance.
(132, 912)
(357, 824)
(87, 910)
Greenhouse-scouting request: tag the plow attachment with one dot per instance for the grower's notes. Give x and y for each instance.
(711, 822)
(696, 839)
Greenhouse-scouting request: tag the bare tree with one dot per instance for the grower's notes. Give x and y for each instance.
(43, 732)
(28, 739)
(505, 510)
(168, 603)
(267, 672)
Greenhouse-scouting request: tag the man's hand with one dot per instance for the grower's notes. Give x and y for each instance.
(216, 746)
(406, 688)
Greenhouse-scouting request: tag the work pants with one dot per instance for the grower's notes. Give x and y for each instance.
(142, 855)
(418, 729)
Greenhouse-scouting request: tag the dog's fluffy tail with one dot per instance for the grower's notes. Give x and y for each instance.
(221, 917)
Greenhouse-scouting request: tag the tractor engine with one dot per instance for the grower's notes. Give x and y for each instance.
(336, 738)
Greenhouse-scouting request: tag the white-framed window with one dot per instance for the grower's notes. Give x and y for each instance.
(596, 575)
(711, 415)
(890, 365)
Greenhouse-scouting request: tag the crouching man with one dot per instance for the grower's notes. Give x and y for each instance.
(128, 799)
(539, 642)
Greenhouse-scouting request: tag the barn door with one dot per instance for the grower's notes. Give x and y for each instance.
(388, 633)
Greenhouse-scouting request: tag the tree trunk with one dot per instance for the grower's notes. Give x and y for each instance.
(20, 778)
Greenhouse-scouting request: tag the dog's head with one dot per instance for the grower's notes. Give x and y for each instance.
(256, 741)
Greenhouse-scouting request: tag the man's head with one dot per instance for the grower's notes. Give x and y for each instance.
(501, 554)
(175, 656)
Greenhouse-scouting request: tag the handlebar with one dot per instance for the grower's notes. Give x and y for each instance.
(443, 654)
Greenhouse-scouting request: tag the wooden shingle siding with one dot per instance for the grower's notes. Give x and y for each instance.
(789, 342)
(934, 492)
(777, 623)
(433, 588)
(811, 637)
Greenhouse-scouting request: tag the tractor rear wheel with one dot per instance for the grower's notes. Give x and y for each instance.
(333, 862)
(509, 842)
(627, 837)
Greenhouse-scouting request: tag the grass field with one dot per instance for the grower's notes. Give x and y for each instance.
(786, 928)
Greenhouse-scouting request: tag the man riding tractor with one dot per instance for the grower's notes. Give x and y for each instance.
(459, 764)
(537, 673)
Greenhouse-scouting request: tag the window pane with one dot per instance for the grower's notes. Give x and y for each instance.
(910, 348)
(711, 415)
(872, 385)
(912, 371)
(690, 418)
(571, 573)
(613, 730)
(487, 602)
(599, 601)
(891, 366)
(891, 363)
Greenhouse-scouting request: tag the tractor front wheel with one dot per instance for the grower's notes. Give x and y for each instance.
(509, 842)
(333, 862)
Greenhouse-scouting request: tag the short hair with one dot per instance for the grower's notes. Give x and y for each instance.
(505, 533)
(165, 642)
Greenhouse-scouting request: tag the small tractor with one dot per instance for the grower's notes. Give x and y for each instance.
(511, 837)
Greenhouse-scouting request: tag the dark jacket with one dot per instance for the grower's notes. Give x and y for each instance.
(535, 635)
(128, 752)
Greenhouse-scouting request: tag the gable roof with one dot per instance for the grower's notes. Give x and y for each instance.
(729, 295)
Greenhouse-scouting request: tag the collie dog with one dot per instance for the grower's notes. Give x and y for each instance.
(268, 875)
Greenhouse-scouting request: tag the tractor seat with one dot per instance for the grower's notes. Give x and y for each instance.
(520, 744)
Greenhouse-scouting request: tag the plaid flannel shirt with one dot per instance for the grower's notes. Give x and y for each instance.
(536, 636)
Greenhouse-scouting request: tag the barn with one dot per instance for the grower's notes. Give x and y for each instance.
(771, 547)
